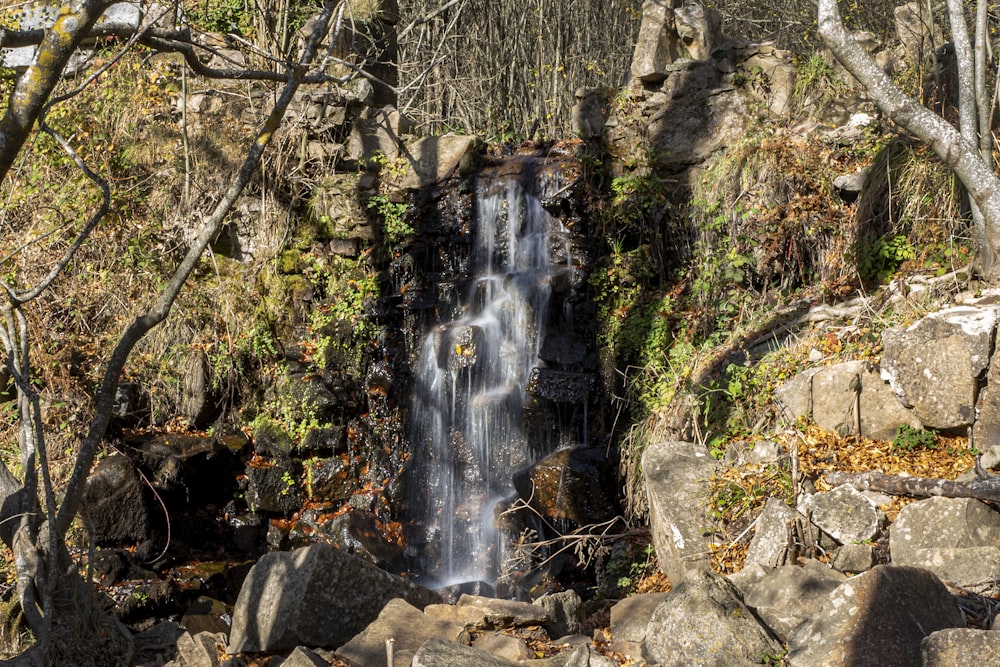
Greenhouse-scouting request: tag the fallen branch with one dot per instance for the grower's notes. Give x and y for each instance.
(983, 488)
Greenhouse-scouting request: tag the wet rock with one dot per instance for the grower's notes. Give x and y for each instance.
(961, 647)
(206, 615)
(958, 539)
(330, 479)
(934, 364)
(273, 487)
(304, 396)
(676, 477)
(790, 594)
(861, 623)
(323, 440)
(566, 350)
(114, 503)
(358, 532)
(297, 598)
(407, 626)
(570, 484)
(561, 386)
(845, 514)
(703, 620)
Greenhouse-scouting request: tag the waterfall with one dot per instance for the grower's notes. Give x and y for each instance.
(470, 379)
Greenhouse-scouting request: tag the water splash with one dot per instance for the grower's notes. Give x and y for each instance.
(466, 413)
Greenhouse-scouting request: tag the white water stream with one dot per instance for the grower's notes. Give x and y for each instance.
(466, 412)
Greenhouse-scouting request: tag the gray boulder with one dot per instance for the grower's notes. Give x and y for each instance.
(769, 546)
(657, 44)
(703, 622)
(303, 657)
(298, 598)
(846, 514)
(483, 613)
(854, 558)
(629, 621)
(958, 539)
(861, 624)
(934, 364)
(407, 626)
(698, 29)
(565, 612)
(827, 396)
(790, 594)
(440, 653)
(432, 159)
(961, 647)
(676, 477)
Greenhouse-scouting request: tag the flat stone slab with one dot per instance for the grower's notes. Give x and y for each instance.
(407, 626)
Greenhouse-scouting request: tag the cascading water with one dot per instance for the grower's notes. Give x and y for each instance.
(466, 417)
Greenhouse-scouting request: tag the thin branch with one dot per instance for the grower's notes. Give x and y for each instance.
(161, 308)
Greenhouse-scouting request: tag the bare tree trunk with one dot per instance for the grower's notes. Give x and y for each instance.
(919, 487)
(964, 159)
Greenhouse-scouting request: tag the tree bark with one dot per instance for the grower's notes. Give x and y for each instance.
(918, 487)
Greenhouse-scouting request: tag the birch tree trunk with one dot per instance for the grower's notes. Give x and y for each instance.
(957, 152)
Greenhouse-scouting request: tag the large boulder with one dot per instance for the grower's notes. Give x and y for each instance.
(114, 503)
(846, 514)
(676, 476)
(828, 396)
(790, 594)
(407, 627)
(483, 613)
(769, 546)
(630, 620)
(876, 618)
(961, 647)
(958, 539)
(934, 365)
(680, 133)
(703, 622)
(431, 160)
(570, 484)
(313, 596)
(657, 44)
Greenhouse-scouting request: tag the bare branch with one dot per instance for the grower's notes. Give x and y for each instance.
(161, 308)
(920, 487)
